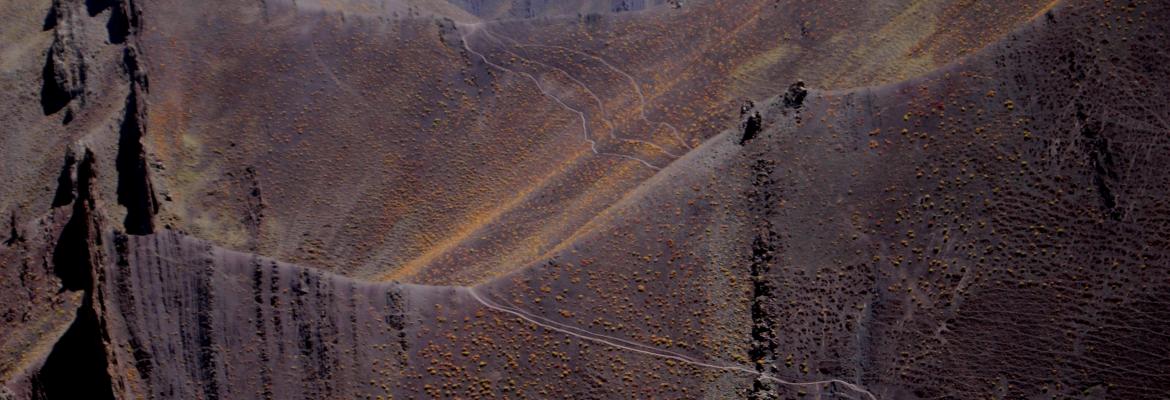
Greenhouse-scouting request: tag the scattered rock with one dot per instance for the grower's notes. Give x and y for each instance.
(751, 128)
(794, 98)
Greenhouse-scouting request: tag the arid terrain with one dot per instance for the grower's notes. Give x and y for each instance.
(548, 199)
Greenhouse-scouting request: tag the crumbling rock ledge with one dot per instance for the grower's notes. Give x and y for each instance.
(78, 366)
(65, 68)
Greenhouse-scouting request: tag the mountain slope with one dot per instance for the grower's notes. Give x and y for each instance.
(994, 228)
(519, 131)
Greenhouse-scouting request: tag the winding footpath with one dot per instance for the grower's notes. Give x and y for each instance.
(581, 333)
(601, 106)
(633, 82)
(650, 350)
(543, 90)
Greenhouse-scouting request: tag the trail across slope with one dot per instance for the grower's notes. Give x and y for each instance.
(600, 105)
(633, 82)
(546, 92)
(651, 351)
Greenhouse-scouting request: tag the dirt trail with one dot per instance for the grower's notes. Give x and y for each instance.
(584, 121)
(651, 351)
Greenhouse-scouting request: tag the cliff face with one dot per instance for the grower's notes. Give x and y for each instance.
(994, 228)
(71, 80)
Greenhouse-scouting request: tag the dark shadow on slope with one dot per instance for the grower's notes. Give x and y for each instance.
(751, 127)
(50, 19)
(72, 260)
(54, 96)
(76, 368)
(95, 7)
(14, 235)
(118, 27)
(134, 191)
(65, 185)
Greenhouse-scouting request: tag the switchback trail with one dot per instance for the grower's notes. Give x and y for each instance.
(633, 82)
(539, 86)
(600, 105)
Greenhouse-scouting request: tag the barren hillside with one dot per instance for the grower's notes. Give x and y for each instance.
(585, 199)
